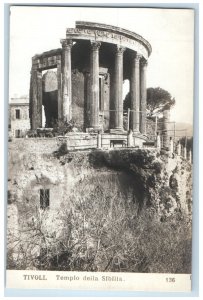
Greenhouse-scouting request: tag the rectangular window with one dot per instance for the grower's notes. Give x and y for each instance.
(17, 133)
(17, 113)
(44, 198)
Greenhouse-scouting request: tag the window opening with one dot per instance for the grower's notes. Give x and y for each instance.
(18, 133)
(17, 113)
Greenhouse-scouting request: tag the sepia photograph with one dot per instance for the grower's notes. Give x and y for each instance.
(100, 148)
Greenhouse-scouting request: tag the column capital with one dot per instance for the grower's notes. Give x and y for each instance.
(66, 44)
(95, 45)
(120, 49)
(144, 63)
(138, 57)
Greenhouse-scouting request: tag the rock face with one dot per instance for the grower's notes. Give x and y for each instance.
(165, 183)
(132, 180)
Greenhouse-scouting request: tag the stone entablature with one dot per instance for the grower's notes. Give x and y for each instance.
(115, 29)
(46, 60)
(89, 49)
(110, 34)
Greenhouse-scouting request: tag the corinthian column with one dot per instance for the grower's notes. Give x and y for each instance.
(135, 93)
(118, 89)
(94, 85)
(143, 97)
(66, 79)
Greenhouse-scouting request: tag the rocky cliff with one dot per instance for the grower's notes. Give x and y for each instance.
(98, 197)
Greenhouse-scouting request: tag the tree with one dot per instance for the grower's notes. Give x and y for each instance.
(158, 100)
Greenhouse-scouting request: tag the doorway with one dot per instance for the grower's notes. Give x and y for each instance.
(49, 99)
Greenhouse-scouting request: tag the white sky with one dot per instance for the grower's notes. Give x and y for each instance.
(36, 29)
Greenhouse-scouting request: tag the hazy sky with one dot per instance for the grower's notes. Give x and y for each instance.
(36, 29)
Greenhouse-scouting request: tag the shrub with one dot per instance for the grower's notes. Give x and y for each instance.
(32, 133)
(61, 127)
(102, 229)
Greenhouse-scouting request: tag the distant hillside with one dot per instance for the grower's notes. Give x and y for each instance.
(184, 126)
(182, 129)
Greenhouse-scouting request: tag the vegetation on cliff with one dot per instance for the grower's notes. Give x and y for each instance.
(134, 221)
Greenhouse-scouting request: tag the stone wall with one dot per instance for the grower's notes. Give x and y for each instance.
(80, 98)
(34, 145)
(78, 104)
(80, 141)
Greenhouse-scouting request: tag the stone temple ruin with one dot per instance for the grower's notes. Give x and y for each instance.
(82, 84)
(87, 86)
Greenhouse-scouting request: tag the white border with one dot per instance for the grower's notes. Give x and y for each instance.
(2, 120)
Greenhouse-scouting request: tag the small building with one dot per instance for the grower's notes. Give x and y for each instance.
(19, 121)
